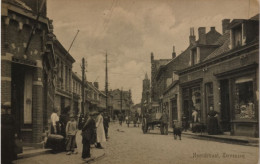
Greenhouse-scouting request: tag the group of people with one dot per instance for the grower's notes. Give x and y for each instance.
(128, 118)
(94, 130)
(213, 123)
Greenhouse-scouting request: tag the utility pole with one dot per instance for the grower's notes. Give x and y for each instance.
(83, 85)
(106, 85)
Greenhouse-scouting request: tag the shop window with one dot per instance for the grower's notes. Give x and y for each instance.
(209, 95)
(244, 98)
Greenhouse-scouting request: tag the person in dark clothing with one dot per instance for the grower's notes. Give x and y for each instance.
(106, 124)
(164, 123)
(120, 117)
(213, 124)
(81, 121)
(88, 131)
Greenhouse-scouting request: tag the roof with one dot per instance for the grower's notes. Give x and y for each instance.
(212, 36)
(256, 17)
(235, 22)
(65, 52)
(18, 3)
(224, 42)
(161, 62)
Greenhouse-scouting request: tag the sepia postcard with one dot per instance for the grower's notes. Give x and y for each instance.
(130, 81)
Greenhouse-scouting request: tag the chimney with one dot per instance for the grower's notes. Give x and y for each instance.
(192, 36)
(202, 35)
(96, 84)
(173, 52)
(225, 23)
(212, 29)
(152, 57)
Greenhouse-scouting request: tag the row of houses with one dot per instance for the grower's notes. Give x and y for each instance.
(218, 70)
(37, 75)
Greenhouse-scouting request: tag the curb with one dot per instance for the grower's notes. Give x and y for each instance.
(32, 154)
(222, 139)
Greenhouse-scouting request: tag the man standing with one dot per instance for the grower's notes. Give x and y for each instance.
(164, 123)
(106, 124)
(100, 130)
(88, 131)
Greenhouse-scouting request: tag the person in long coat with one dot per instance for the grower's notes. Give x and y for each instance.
(88, 131)
(106, 124)
(100, 130)
(213, 122)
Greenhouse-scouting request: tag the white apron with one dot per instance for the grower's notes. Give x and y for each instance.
(100, 129)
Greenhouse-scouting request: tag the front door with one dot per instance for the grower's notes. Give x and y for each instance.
(17, 96)
(22, 101)
(225, 105)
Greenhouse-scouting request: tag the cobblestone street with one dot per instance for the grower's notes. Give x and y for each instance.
(130, 145)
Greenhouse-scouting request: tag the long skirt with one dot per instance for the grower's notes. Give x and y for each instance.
(213, 126)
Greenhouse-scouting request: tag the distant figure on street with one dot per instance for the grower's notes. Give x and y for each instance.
(120, 117)
(135, 118)
(106, 124)
(100, 130)
(71, 130)
(55, 128)
(88, 132)
(164, 123)
(213, 123)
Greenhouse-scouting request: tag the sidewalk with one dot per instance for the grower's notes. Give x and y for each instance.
(31, 153)
(226, 137)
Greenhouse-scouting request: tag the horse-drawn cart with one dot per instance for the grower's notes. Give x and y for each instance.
(151, 119)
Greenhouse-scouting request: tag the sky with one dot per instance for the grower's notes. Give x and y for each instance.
(129, 30)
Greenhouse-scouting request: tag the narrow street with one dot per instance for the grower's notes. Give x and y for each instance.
(130, 145)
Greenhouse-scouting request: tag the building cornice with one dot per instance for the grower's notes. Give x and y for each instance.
(220, 58)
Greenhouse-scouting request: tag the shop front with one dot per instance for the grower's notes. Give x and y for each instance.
(242, 100)
(191, 100)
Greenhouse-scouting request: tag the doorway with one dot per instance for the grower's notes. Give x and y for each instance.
(21, 99)
(225, 105)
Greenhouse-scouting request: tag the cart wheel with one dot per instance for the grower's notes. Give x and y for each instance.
(161, 129)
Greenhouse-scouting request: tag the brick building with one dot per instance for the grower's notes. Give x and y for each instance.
(168, 81)
(227, 78)
(27, 75)
(155, 65)
(76, 91)
(63, 92)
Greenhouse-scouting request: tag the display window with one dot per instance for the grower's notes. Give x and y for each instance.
(244, 98)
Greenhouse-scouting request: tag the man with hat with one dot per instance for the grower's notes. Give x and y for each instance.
(100, 130)
(71, 130)
(88, 131)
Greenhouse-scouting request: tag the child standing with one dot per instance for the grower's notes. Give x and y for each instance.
(71, 130)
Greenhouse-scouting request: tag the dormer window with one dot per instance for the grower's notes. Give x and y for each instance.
(237, 36)
(194, 56)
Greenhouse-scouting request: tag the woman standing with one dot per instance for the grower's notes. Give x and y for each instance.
(100, 130)
(213, 124)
